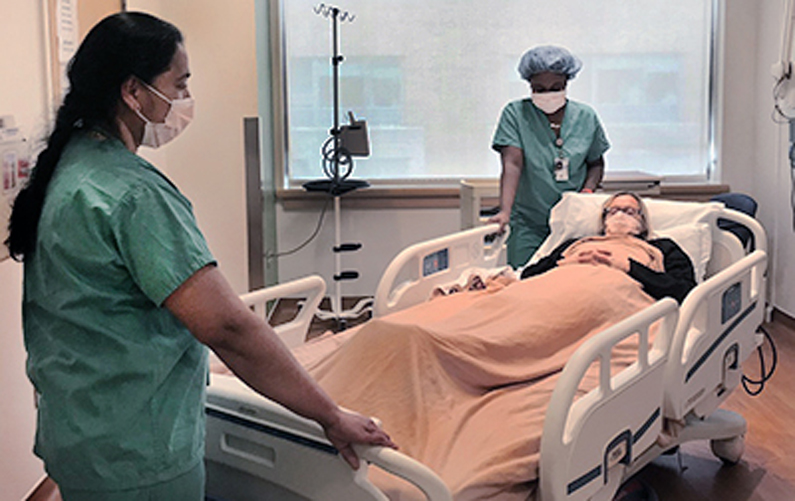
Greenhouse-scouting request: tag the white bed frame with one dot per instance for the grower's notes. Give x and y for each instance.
(256, 449)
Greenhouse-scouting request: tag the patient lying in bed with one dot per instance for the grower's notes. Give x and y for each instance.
(462, 382)
(660, 265)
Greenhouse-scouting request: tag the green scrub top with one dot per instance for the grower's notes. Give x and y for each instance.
(120, 381)
(526, 127)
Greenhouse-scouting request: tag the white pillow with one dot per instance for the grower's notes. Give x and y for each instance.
(578, 214)
(695, 240)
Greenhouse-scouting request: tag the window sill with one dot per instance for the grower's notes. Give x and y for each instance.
(376, 197)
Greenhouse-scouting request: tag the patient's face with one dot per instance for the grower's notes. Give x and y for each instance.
(622, 216)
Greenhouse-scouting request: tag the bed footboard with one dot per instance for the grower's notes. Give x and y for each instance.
(256, 447)
(294, 332)
(717, 331)
(415, 271)
(588, 443)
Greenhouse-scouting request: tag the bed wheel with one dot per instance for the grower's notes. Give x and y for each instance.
(729, 450)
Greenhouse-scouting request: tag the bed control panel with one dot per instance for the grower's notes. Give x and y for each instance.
(435, 262)
(731, 302)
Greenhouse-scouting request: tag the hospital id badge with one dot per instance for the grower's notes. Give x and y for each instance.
(561, 169)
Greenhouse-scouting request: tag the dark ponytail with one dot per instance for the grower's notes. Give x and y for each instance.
(118, 47)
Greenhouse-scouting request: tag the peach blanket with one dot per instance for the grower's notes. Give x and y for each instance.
(462, 382)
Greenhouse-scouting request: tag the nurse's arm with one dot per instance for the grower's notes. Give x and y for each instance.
(206, 304)
(594, 174)
(512, 164)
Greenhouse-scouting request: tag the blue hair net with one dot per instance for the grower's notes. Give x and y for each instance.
(549, 58)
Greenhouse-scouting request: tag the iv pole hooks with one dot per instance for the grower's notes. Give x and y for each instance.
(334, 11)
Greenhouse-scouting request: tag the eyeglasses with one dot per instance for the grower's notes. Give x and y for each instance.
(629, 211)
(540, 89)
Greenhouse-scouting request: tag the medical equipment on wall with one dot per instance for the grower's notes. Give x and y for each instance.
(344, 143)
(784, 90)
(14, 170)
(15, 155)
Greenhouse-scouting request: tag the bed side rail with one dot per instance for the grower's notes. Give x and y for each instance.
(716, 333)
(292, 456)
(294, 332)
(415, 271)
(726, 247)
(760, 237)
(587, 444)
(408, 469)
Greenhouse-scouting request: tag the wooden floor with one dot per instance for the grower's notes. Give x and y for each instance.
(767, 470)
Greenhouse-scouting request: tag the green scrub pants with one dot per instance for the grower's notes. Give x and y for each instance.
(187, 487)
(523, 242)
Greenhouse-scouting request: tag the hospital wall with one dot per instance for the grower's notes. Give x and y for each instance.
(206, 161)
(753, 150)
(21, 62)
(206, 164)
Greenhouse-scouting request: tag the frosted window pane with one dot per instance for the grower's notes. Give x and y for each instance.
(431, 77)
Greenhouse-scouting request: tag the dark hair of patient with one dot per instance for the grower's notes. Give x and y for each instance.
(118, 47)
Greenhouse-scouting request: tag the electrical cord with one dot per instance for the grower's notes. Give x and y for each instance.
(792, 179)
(777, 114)
(760, 383)
(335, 157)
(311, 237)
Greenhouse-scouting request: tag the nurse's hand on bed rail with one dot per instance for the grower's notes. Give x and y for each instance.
(502, 218)
(350, 428)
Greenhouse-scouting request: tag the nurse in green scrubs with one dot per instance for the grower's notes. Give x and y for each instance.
(548, 144)
(122, 296)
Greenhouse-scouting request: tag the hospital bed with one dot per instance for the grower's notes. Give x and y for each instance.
(256, 449)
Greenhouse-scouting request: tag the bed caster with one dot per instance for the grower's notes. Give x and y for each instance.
(729, 450)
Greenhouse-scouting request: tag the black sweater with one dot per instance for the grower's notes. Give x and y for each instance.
(676, 281)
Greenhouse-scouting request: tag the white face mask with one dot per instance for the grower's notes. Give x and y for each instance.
(621, 223)
(549, 102)
(177, 119)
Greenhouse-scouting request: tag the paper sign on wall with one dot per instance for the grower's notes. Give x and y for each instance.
(68, 37)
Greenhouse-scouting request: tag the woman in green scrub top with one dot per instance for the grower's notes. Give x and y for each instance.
(121, 293)
(548, 144)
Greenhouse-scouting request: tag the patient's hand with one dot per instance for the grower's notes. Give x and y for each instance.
(351, 428)
(595, 257)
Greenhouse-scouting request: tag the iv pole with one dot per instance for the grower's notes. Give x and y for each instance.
(334, 155)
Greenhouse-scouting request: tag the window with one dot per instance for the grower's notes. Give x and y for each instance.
(431, 79)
